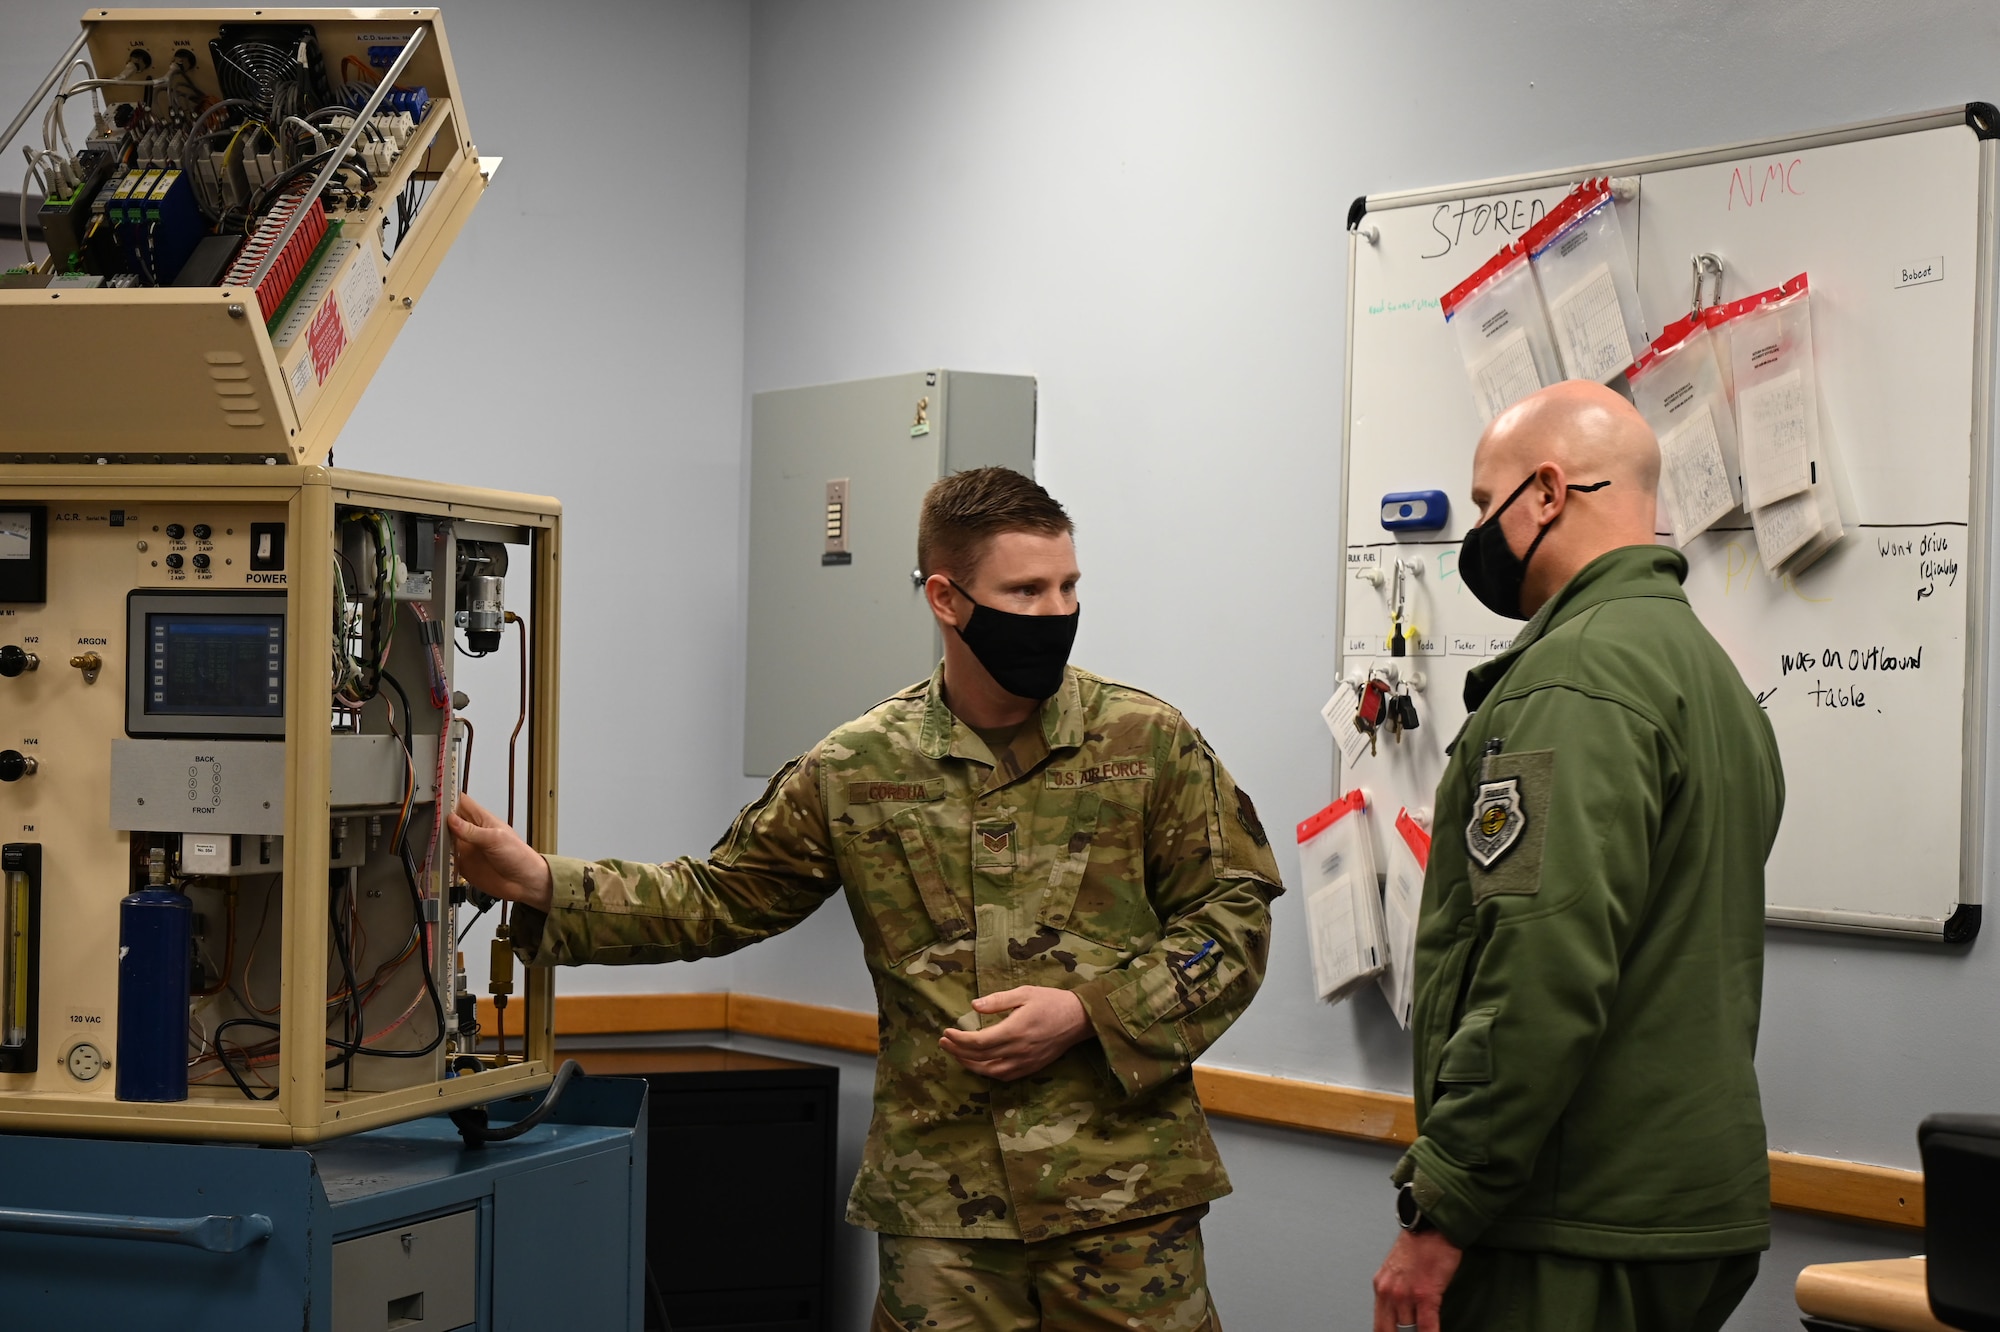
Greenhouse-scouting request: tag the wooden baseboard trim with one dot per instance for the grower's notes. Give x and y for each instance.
(808, 1024)
(1846, 1190)
(618, 1014)
(1319, 1107)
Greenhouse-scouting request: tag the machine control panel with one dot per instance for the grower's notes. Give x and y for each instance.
(205, 663)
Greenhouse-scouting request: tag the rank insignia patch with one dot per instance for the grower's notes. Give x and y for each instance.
(1498, 820)
(993, 845)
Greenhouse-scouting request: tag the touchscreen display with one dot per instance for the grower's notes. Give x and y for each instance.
(215, 665)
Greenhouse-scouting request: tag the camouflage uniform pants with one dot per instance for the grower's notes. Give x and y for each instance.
(1146, 1274)
(1504, 1290)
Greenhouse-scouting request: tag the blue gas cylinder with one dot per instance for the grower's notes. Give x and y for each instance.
(155, 941)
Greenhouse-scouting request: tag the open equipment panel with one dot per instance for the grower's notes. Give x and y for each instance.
(229, 725)
(255, 198)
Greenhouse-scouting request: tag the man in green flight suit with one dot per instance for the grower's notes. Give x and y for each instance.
(1063, 900)
(1590, 1153)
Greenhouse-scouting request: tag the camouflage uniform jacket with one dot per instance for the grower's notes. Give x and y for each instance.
(1106, 851)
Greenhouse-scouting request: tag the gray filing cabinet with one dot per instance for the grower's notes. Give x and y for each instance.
(837, 471)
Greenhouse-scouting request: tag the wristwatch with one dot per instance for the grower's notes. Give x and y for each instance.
(1408, 1214)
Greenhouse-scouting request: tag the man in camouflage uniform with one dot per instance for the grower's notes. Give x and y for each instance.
(1063, 899)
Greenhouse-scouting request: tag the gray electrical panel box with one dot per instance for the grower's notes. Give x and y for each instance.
(837, 472)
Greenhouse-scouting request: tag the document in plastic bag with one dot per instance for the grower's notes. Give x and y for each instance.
(1496, 318)
(1793, 485)
(1834, 500)
(1343, 899)
(1773, 433)
(1697, 480)
(1590, 328)
(1506, 376)
(1678, 386)
(1585, 274)
(1785, 527)
(1402, 899)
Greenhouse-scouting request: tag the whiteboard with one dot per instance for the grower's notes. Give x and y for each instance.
(1872, 663)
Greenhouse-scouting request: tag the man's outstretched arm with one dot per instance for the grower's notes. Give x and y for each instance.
(770, 871)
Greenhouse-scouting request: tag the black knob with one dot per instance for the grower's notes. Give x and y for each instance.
(14, 660)
(175, 531)
(201, 561)
(201, 531)
(174, 560)
(14, 765)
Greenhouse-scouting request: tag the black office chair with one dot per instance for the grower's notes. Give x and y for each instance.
(1962, 1218)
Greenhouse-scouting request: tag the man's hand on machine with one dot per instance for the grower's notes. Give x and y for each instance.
(492, 857)
(1040, 1023)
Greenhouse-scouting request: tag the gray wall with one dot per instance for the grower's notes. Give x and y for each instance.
(1141, 202)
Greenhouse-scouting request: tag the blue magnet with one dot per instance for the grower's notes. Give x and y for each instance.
(1416, 511)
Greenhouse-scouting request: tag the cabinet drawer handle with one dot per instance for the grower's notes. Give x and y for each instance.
(217, 1234)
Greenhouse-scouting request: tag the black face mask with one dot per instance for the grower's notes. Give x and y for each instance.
(1490, 567)
(1025, 654)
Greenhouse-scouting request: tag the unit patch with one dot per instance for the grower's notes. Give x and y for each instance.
(1498, 820)
(1510, 823)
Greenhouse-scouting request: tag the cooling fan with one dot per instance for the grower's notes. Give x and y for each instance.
(257, 62)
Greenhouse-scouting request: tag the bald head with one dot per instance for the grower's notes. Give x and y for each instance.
(1590, 431)
(1571, 434)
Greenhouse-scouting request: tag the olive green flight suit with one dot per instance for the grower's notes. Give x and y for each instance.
(1590, 967)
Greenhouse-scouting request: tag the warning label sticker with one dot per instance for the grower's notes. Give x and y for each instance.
(327, 338)
(360, 289)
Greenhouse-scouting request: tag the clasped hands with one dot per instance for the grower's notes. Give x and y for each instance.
(1041, 1023)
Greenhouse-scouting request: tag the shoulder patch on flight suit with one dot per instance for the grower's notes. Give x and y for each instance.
(1497, 821)
(1509, 823)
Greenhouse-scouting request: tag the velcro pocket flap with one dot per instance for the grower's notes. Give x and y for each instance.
(940, 905)
(1068, 861)
(1468, 1055)
(731, 844)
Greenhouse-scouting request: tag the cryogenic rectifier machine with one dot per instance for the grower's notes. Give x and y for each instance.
(228, 723)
